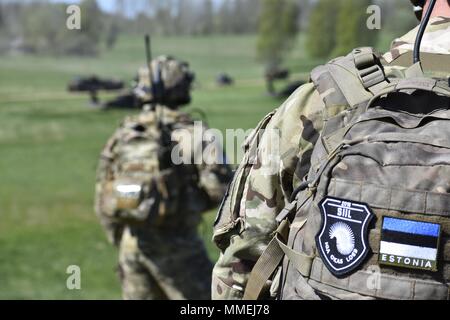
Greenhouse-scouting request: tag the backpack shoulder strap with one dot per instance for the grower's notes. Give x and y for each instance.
(349, 81)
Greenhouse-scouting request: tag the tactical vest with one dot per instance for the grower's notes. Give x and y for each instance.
(372, 218)
(138, 184)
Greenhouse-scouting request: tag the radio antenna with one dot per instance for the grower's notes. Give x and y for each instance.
(421, 32)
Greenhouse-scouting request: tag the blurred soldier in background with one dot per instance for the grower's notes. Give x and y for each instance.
(273, 234)
(150, 206)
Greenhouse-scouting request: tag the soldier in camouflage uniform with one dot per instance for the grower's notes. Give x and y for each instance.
(246, 221)
(150, 206)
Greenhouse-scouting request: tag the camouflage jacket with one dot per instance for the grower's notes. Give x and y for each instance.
(246, 221)
(175, 194)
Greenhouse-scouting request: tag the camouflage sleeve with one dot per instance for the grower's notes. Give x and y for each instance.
(215, 173)
(103, 209)
(262, 186)
(214, 179)
(208, 156)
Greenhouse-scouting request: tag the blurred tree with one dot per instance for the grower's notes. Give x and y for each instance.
(192, 17)
(224, 16)
(11, 30)
(92, 25)
(2, 20)
(185, 17)
(112, 34)
(141, 24)
(237, 16)
(115, 23)
(321, 36)
(351, 29)
(244, 16)
(306, 6)
(40, 27)
(162, 20)
(277, 30)
(44, 31)
(397, 17)
(206, 20)
(161, 13)
(120, 8)
(3, 32)
(91, 28)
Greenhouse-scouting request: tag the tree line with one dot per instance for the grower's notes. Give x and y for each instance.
(332, 27)
(337, 26)
(38, 26)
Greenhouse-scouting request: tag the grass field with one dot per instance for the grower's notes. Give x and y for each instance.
(51, 140)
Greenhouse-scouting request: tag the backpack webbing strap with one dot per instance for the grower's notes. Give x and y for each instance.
(271, 259)
(424, 84)
(300, 261)
(370, 71)
(347, 82)
(266, 264)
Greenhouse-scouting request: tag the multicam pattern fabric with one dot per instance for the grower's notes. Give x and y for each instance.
(154, 220)
(435, 40)
(246, 222)
(262, 197)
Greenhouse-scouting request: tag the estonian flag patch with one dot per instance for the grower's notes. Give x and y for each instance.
(409, 243)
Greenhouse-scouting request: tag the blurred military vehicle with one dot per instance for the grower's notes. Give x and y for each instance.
(274, 74)
(126, 100)
(93, 84)
(224, 80)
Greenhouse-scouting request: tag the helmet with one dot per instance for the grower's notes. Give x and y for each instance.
(418, 7)
(172, 79)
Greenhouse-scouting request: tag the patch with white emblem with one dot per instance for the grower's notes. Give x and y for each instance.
(409, 243)
(343, 239)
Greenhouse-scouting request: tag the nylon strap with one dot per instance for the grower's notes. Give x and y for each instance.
(426, 84)
(271, 259)
(266, 264)
(300, 261)
(370, 70)
(404, 137)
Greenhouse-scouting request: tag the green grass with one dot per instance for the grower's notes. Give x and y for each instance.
(50, 143)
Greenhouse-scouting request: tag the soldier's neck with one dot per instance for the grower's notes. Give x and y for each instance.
(442, 9)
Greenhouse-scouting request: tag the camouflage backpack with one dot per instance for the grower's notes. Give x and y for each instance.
(372, 217)
(136, 182)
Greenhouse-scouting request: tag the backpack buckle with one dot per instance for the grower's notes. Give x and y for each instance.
(371, 76)
(287, 211)
(370, 71)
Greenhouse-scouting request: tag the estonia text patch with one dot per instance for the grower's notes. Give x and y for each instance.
(409, 243)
